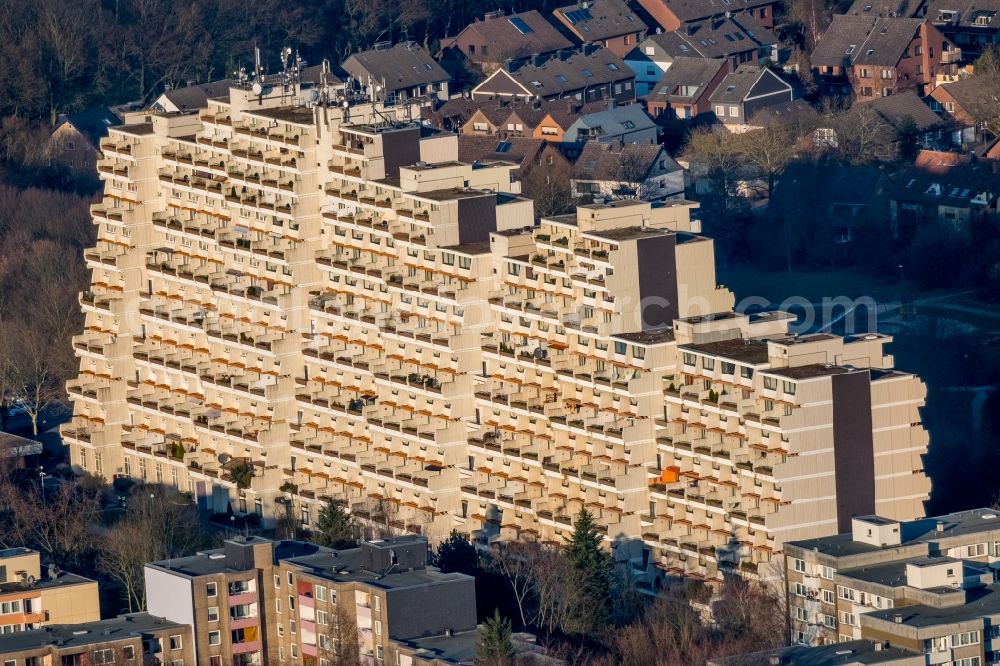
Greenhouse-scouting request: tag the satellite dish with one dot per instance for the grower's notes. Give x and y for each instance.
(223, 458)
(257, 88)
(30, 580)
(378, 88)
(313, 95)
(345, 104)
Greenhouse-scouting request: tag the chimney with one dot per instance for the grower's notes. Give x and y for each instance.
(940, 526)
(611, 103)
(897, 618)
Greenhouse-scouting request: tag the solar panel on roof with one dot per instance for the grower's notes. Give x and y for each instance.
(521, 26)
(502, 147)
(578, 15)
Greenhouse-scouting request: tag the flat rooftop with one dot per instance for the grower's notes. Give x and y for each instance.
(744, 350)
(69, 636)
(451, 194)
(849, 653)
(810, 371)
(658, 336)
(980, 602)
(922, 531)
(627, 233)
(290, 114)
(459, 648)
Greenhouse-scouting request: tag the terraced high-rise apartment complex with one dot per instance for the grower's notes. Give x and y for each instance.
(348, 312)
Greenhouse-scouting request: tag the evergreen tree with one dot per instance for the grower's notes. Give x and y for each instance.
(456, 553)
(594, 575)
(334, 528)
(495, 647)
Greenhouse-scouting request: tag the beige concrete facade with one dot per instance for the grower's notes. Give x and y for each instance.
(32, 598)
(363, 319)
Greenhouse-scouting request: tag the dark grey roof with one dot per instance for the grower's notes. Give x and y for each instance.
(864, 40)
(612, 122)
(522, 151)
(743, 350)
(686, 73)
(794, 112)
(579, 70)
(601, 19)
(514, 36)
(191, 98)
(921, 531)
(966, 13)
(980, 602)
(896, 107)
(400, 66)
(86, 633)
(602, 161)
(849, 653)
(93, 123)
(903, 8)
(715, 40)
(737, 85)
(692, 10)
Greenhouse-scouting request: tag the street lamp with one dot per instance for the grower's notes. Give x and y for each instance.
(41, 482)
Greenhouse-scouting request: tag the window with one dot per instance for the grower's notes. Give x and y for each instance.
(720, 111)
(745, 372)
(128, 652)
(324, 642)
(281, 653)
(977, 549)
(377, 603)
(847, 618)
(734, 112)
(728, 368)
(846, 593)
(967, 661)
(106, 656)
(291, 602)
(277, 605)
(965, 638)
(689, 358)
(378, 627)
(320, 593)
(321, 617)
(214, 637)
(215, 660)
(826, 572)
(620, 347)
(175, 642)
(828, 597)
(211, 590)
(708, 363)
(788, 387)
(799, 565)
(291, 579)
(213, 613)
(638, 352)
(295, 650)
(770, 383)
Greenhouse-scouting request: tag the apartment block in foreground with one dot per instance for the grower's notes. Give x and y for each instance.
(31, 598)
(327, 298)
(910, 582)
(257, 601)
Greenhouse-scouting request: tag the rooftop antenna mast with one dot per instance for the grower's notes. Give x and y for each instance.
(258, 76)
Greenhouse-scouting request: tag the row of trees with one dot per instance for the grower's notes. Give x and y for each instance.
(63, 56)
(588, 609)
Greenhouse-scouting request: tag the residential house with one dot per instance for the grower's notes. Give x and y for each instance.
(873, 57)
(898, 110)
(76, 139)
(649, 60)
(743, 92)
(683, 91)
(500, 39)
(634, 171)
(738, 40)
(608, 23)
(796, 113)
(190, 97)
(136, 638)
(957, 101)
(617, 125)
(970, 25)
(587, 75)
(677, 14)
(841, 200)
(392, 74)
(32, 598)
(510, 117)
(524, 152)
(18, 451)
(942, 188)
